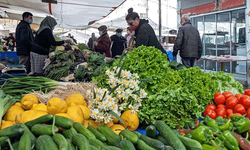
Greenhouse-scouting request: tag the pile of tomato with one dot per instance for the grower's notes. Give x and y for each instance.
(227, 104)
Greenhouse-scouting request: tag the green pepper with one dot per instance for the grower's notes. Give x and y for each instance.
(214, 144)
(212, 123)
(201, 123)
(215, 131)
(202, 134)
(240, 123)
(188, 135)
(206, 119)
(208, 147)
(230, 126)
(224, 126)
(218, 142)
(220, 120)
(229, 140)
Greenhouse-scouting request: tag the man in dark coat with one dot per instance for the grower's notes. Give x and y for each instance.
(188, 41)
(119, 43)
(91, 42)
(24, 38)
(102, 45)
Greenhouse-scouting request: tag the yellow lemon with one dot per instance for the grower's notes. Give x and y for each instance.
(28, 100)
(18, 104)
(13, 111)
(5, 124)
(75, 113)
(39, 106)
(130, 119)
(56, 105)
(76, 98)
(86, 111)
(117, 128)
(109, 124)
(91, 122)
(63, 114)
(115, 120)
(29, 115)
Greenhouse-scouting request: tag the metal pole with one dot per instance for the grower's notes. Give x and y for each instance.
(160, 21)
(147, 10)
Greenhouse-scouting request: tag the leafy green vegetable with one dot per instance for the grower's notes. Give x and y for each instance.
(82, 46)
(175, 65)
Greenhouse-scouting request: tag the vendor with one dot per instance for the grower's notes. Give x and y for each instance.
(103, 43)
(144, 33)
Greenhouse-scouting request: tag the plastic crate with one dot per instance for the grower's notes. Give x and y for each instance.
(9, 57)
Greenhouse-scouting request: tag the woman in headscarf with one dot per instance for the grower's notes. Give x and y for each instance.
(43, 41)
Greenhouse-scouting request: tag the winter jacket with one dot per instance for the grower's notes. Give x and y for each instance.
(119, 44)
(145, 35)
(103, 45)
(188, 41)
(45, 39)
(91, 42)
(24, 37)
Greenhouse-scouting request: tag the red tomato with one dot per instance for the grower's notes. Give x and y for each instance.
(248, 113)
(239, 108)
(245, 101)
(238, 96)
(229, 111)
(221, 112)
(227, 94)
(219, 98)
(210, 113)
(237, 114)
(247, 117)
(211, 106)
(231, 102)
(247, 92)
(221, 106)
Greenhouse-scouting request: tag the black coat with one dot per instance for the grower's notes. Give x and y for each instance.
(188, 41)
(24, 37)
(119, 44)
(145, 35)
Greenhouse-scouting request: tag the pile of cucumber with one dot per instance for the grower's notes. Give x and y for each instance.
(60, 133)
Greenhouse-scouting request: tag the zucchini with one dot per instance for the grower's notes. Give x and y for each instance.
(94, 148)
(45, 142)
(71, 146)
(112, 138)
(69, 133)
(127, 145)
(152, 142)
(13, 131)
(141, 145)
(137, 133)
(42, 129)
(98, 144)
(83, 130)
(169, 135)
(25, 142)
(40, 120)
(168, 148)
(32, 137)
(113, 148)
(97, 134)
(63, 122)
(129, 136)
(160, 138)
(190, 144)
(61, 141)
(151, 131)
(3, 141)
(81, 141)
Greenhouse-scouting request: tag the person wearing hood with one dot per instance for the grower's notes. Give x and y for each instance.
(119, 43)
(144, 33)
(43, 41)
(103, 43)
(188, 41)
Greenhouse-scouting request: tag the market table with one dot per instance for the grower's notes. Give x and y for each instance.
(222, 61)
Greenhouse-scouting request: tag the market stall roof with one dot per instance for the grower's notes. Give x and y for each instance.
(69, 13)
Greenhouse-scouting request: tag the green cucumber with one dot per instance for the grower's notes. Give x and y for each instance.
(13, 131)
(25, 142)
(63, 122)
(127, 145)
(83, 130)
(137, 133)
(168, 148)
(141, 145)
(68, 133)
(112, 138)
(32, 137)
(45, 142)
(169, 135)
(3, 141)
(113, 148)
(94, 148)
(152, 142)
(42, 129)
(190, 144)
(40, 120)
(98, 144)
(61, 141)
(129, 136)
(151, 131)
(97, 134)
(160, 138)
(71, 146)
(81, 141)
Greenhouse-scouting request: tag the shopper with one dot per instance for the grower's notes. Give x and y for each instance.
(188, 42)
(129, 39)
(43, 41)
(91, 41)
(118, 43)
(102, 45)
(144, 33)
(24, 38)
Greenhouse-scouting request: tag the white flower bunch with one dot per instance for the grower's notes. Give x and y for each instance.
(124, 93)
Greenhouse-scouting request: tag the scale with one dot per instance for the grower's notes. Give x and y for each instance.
(14, 69)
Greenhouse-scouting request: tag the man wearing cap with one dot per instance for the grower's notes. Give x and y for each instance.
(118, 43)
(102, 45)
